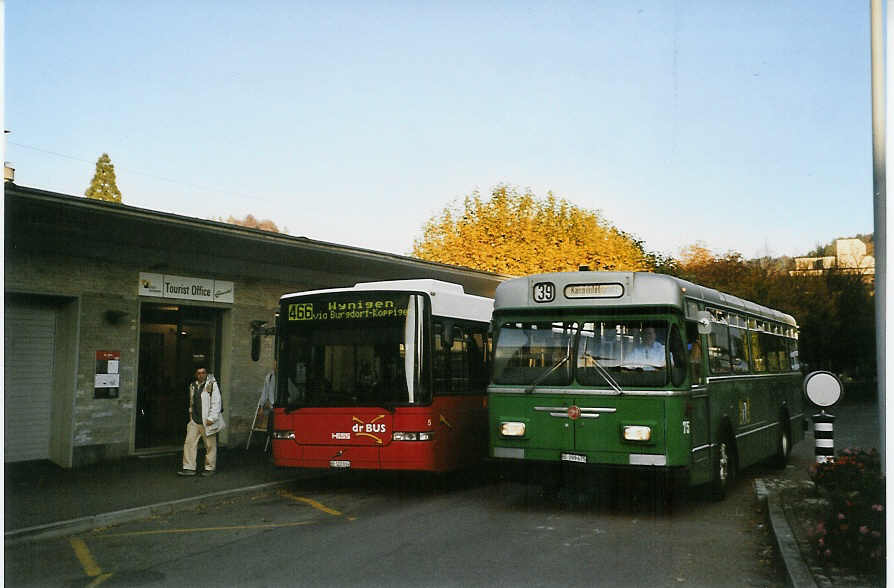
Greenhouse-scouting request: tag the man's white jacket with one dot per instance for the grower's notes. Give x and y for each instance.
(210, 405)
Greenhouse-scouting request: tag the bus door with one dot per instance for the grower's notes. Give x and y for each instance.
(697, 411)
(698, 407)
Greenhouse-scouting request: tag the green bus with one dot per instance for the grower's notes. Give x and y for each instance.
(641, 370)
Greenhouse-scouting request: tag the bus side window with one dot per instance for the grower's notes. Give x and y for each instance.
(718, 349)
(458, 362)
(478, 360)
(440, 365)
(758, 353)
(694, 349)
(738, 349)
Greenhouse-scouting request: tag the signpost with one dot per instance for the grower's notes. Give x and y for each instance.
(824, 390)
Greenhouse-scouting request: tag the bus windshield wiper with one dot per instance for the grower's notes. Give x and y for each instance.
(604, 373)
(548, 372)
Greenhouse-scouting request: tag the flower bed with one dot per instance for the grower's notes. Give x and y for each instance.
(851, 534)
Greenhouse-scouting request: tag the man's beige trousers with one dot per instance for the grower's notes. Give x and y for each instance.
(195, 432)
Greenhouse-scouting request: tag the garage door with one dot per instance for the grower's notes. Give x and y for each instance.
(29, 350)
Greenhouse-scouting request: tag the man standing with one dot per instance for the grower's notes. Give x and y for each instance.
(205, 421)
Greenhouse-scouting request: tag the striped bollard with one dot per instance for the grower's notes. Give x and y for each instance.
(823, 389)
(824, 435)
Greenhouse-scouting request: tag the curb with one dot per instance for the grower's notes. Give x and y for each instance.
(798, 574)
(88, 523)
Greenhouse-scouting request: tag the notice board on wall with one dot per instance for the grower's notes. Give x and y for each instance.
(106, 379)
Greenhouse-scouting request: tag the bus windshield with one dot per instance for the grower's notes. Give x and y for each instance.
(632, 352)
(529, 353)
(351, 349)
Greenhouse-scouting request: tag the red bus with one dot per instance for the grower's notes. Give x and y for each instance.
(382, 376)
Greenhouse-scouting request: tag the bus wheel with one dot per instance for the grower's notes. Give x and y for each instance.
(783, 443)
(724, 470)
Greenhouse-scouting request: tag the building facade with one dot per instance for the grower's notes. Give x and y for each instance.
(851, 256)
(109, 309)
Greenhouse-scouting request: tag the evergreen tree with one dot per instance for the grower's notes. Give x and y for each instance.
(103, 185)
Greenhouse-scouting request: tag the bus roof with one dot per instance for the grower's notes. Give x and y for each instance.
(447, 299)
(623, 289)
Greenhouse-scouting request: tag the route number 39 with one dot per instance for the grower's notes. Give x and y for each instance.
(544, 292)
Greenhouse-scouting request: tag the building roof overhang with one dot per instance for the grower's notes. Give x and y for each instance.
(53, 223)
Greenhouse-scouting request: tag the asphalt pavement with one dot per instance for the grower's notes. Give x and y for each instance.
(44, 500)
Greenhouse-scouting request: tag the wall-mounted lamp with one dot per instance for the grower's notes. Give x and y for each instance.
(113, 317)
(258, 329)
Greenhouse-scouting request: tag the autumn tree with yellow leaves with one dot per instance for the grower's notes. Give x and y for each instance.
(251, 222)
(517, 233)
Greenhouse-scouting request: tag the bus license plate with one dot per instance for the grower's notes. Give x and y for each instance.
(339, 463)
(575, 457)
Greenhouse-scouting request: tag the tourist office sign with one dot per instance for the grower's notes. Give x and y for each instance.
(185, 288)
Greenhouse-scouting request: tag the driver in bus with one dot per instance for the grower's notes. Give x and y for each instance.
(649, 354)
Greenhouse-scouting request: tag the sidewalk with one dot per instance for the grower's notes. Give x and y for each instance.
(856, 426)
(41, 497)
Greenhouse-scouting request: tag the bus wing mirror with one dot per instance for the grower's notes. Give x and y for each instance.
(704, 322)
(257, 329)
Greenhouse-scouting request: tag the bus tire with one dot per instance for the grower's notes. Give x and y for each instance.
(783, 442)
(724, 468)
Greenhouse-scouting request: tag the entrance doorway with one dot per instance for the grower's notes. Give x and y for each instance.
(174, 341)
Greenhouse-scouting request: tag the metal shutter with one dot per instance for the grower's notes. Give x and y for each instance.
(29, 349)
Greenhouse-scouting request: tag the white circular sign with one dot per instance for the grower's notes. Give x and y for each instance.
(822, 388)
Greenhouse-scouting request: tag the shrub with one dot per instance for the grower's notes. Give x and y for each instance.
(853, 533)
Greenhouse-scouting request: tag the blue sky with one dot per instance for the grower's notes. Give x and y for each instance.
(744, 125)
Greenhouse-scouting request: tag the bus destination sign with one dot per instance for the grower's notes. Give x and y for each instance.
(594, 291)
(338, 310)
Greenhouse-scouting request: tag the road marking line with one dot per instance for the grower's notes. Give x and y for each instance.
(91, 568)
(313, 503)
(207, 529)
(99, 580)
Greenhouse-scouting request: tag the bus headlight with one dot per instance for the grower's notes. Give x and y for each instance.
(284, 435)
(412, 436)
(512, 429)
(637, 433)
